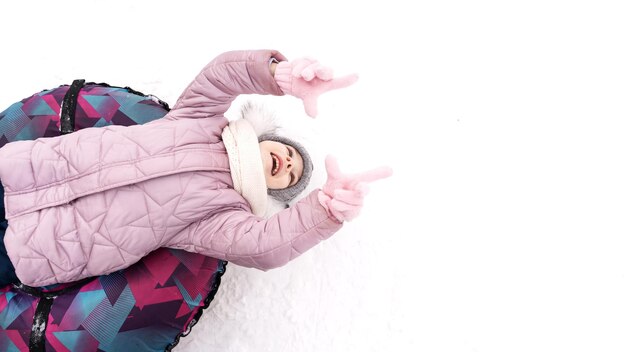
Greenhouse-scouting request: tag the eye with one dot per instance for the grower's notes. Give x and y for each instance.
(289, 152)
(291, 179)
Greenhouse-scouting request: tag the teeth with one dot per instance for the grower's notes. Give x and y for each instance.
(275, 169)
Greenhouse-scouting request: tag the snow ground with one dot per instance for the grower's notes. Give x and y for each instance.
(503, 227)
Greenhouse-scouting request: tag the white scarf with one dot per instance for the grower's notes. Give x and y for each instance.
(246, 166)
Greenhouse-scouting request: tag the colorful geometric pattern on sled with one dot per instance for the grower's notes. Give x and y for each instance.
(146, 307)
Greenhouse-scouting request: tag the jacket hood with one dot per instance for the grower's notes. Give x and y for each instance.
(263, 121)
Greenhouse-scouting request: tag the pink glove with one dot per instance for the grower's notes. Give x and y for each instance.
(306, 79)
(342, 195)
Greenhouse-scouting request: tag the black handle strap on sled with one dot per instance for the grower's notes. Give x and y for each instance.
(68, 109)
(42, 311)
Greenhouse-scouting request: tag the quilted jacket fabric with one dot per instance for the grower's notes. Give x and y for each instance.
(98, 200)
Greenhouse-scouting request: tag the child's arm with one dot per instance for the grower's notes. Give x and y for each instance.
(255, 72)
(244, 239)
(238, 236)
(223, 79)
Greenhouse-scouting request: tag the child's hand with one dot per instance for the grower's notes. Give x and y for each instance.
(342, 195)
(307, 79)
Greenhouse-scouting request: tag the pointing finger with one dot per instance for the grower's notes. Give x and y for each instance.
(332, 167)
(375, 174)
(343, 82)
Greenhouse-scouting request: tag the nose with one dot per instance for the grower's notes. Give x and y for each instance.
(289, 163)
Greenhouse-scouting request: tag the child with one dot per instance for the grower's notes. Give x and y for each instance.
(99, 199)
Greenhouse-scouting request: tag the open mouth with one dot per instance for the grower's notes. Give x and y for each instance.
(276, 164)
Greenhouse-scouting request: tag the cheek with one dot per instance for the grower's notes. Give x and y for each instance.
(276, 182)
(265, 161)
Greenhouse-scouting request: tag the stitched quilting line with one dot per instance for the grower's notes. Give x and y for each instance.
(112, 165)
(12, 214)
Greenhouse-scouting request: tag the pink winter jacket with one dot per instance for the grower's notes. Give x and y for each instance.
(98, 200)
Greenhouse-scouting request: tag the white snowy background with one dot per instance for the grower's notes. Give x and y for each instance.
(503, 227)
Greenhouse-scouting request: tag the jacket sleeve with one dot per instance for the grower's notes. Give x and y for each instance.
(247, 240)
(223, 79)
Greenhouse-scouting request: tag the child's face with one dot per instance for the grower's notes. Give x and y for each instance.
(282, 164)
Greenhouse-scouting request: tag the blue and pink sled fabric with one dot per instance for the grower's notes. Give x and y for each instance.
(146, 307)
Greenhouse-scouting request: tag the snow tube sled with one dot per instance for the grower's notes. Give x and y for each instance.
(146, 307)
